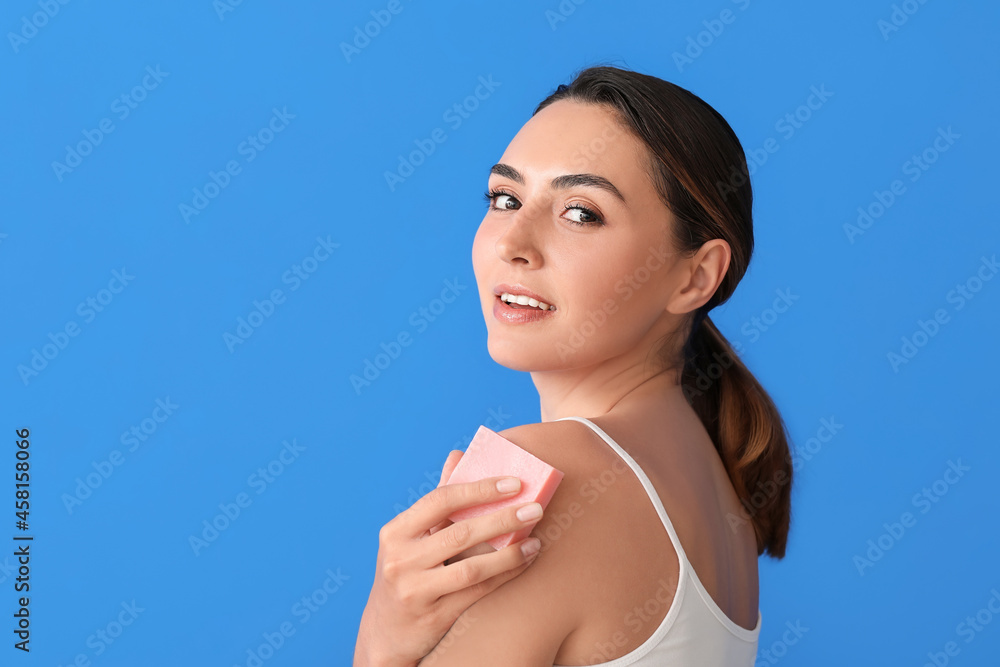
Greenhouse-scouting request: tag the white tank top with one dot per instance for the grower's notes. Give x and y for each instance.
(695, 630)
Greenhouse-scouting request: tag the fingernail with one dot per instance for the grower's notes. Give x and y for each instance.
(529, 512)
(508, 484)
(530, 547)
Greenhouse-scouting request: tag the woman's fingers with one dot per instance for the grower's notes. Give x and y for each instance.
(411, 577)
(454, 456)
(433, 508)
(441, 526)
(472, 578)
(458, 537)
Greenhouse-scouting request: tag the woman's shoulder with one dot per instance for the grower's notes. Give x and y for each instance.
(567, 443)
(579, 568)
(599, 536)
(596, 477)
(597, 486)
(606, 514)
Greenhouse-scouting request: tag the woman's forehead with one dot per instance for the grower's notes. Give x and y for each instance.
(569, 125)
(570, 137)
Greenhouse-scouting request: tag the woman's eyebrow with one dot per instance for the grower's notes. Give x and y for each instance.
(564, 181)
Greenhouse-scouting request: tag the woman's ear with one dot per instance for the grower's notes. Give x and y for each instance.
(700, 277)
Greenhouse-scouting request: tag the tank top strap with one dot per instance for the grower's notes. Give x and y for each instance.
(654, 497)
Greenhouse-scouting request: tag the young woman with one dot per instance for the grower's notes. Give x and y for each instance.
(618, 217)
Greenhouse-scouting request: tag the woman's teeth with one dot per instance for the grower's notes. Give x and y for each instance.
(522, 300)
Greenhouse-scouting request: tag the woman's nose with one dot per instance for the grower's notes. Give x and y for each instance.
(521, 238)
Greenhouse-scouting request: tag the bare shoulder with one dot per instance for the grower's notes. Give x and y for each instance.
(567, 443)
(598, 527)
(577, 520)
(576, 570)
(603, 534)
(584, 507)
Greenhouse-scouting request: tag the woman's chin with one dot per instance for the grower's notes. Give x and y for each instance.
(518, 357)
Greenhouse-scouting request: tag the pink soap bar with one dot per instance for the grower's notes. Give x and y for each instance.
(491, 455)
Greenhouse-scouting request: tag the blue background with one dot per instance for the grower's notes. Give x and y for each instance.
(369, 453)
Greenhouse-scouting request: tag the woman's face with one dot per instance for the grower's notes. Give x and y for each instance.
(605, 263)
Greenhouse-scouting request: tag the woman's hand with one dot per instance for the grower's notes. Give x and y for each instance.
(416, 596)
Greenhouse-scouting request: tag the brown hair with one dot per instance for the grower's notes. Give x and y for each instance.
(700, 172)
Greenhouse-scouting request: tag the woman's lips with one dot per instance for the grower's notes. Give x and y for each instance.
(518, 314)
(519, 290)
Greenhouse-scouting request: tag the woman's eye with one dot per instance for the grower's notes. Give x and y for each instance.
(502, 200)
(498, 200)
(583, 216)
(495, 199)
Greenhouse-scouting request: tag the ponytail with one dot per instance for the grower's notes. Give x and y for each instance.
(747, 431)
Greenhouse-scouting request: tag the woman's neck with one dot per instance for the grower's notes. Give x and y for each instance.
(595, 396)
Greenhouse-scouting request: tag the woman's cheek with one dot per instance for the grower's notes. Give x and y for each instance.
(479, 253)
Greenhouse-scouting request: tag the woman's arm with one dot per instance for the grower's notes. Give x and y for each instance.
(415, 597)
(525, 621)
